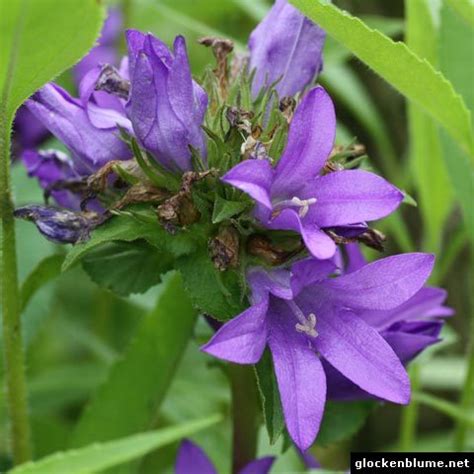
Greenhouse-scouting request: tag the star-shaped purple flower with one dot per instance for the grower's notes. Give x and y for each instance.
(307, 317)
(294, 195)
(192, 459)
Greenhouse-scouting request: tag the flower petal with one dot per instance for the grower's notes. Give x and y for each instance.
(260, 466)
(192, 459)
(253, 177)
(310, 141)
(318, 242)
(242, 340)
(361, 354)
(384, 284)
(300, 377)
(350, 197)
(310, 270)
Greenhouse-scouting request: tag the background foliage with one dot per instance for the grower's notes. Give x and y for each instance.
(88, 350)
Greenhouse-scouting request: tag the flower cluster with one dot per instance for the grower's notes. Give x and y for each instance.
(256, 141)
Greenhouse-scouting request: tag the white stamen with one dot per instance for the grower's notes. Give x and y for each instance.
(305, 324)
(303, 204)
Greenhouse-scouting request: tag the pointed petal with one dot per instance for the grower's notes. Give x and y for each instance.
(192, 459)
(253, 177)
(361, 354)
(243, 339)
(352, 196)
(383, 284)
(300, 377)
(308, 271)
(260, 466)
(318, 242)
(310, 141)
(428, 302)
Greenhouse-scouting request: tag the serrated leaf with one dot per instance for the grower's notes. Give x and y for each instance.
(413, 77)
(126, 267)
(216, 293)
(224, 209)
(270, 397)
(48, 269)
(341, 420)
(41, 38)
(99, 456)
(128, 400)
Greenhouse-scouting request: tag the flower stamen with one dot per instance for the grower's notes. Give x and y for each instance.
(306, 325)
(295, 201)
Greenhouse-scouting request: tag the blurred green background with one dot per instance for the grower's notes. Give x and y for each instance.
(74, 331)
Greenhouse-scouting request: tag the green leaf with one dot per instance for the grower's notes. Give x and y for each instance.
(100, 456)
(270, 397)
(426, 155)
(397, 64)
(341, 420)
(41, 38)
(216, 293)
(126, 267)
(128, 401)
(48, 269)
(224, 209)
(453, 57)
(464, 8)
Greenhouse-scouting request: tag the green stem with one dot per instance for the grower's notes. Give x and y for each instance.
(410, 414)
(15, 382)
(244, 414)
(467, 396)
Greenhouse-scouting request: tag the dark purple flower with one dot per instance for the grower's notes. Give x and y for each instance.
(50, 167)
(59, 225)
(287, 46)
(166, 106)
(307, 317)
(294, 195)
(92, 144)
(28, 131)
(408, 328)
(106, 50)
(193, 460)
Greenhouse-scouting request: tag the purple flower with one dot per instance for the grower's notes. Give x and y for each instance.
(409, 328)
(287, 46)
(106, 50)
(91, 145)
(50, 167)
(29, 132)
(193, 460)
(59, 225)
(295, 196)
(306, 317)
(166, 106)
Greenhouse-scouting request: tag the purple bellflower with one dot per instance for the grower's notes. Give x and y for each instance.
(285, 46)
(306, 318)
(106, 50)
(165, 106)
(408, 329)
(294, 195)
(192, 459)
(66, 118)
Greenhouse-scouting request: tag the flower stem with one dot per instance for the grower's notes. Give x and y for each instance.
(244, 415)
(410, 414)
(15, 382)
(467, 396)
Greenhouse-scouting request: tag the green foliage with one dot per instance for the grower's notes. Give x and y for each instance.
(126, 267)
(396, 63)
(136, 385)
(426, 154)
(217, 293)
(97, 457)
(342, 420)
(270, 397)
(48, 269)
(464, 8)
(41, 38)
(224, 209)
